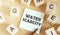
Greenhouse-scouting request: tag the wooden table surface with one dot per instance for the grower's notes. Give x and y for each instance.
(6, 11)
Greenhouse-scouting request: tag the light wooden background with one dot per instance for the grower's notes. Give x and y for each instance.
(5, 9)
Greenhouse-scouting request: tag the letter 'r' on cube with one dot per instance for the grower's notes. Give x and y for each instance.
(38, 2)
(51, 31)
(26, 2)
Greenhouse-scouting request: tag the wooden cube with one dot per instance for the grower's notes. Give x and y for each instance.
(51, 31)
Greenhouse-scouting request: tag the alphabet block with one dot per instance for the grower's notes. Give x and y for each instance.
(2, 19)
(51, 7)
(51, 31)
(26, 2)
(14, 12)
(38, 2)
(12, 29)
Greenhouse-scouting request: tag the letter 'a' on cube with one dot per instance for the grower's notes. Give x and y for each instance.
(51, 7)
(58, 29)
(31, 20)
(26, 2)
(51, 31)
(2, 18)
(12, 29)
(14, 11)
(52, 18)
(38, 2)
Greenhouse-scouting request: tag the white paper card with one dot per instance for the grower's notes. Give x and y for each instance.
(52, 18)
(51, 31)
(31, 20)
(15, 12)
(38, 2)
(12, 29)
(2, 19)
(51, 7)
(26, 2)
(58, 29)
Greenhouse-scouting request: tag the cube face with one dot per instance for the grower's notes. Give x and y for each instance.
(2, 19)
(26, 2)
(38, 2)
(52, 18)
(51, 31)
(31, 20)
(51, 7)
(15, 11)
(58, 29)
(12, 29)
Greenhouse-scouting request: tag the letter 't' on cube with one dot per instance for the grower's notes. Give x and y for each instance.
(50, 7)
(38, 2)
(26, 2)
(52, 18)
(58, 29)
(51, 31)
(12, 29)
(2, 18)
(14, 11)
